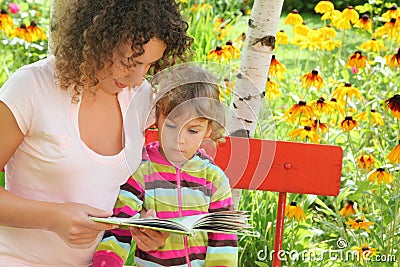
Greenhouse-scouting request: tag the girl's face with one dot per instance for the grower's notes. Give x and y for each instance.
(180, 138)
(120, 75)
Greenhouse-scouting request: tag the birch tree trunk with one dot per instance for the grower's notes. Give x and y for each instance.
(57, 9)
(253, 71)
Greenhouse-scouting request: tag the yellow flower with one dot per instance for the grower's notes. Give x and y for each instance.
(293, 18)
(392, 13)
(394, 155)
(336, 106)
(357, 60)
(393, 104)
(321, 107)
(327, 32)
(333, 15)
(219, 53)
(240, 39)
(330, 45)
(272, 90)
(36, 33)
(350, 14)
(6, 23)
(393, 60)
(380, 175)
(305, 133)
(229, 86)
(282, 37)
(319, 126)
(312, 79)
(376, 118)
(218, 22)
(365, 161)
(233, 50)
(294, 211)
(324, 7)
(359, 223)
(22, 32)
(276, 68)
(297, 110)
(348, 124)
(301, 29)
(364, 23)
(373, 45)
(365, 251)
(348, 210)
(341, 23)
(344, 90)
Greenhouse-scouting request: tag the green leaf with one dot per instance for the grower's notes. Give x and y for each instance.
(261, 264)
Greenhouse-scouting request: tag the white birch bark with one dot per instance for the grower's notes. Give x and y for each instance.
(253, 71)
(57, 9)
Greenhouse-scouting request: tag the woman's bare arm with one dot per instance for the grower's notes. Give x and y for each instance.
(68, 220)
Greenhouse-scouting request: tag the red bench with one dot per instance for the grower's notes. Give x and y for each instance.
(284, 167)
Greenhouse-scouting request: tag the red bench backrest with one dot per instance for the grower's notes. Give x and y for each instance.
(278, 166)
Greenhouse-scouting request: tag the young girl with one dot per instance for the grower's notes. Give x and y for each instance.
(175, 181)
(62, 138)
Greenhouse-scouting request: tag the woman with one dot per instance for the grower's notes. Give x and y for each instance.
(63, 142)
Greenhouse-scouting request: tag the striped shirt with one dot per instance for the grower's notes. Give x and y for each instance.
(197, 187)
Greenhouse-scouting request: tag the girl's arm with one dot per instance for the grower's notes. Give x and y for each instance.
(222, 249)
(68, 220)
(115, 247)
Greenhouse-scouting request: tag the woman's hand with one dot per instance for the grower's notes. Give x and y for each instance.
(71, 223)
(147, 239)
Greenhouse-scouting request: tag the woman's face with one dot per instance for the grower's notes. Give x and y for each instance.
(120, 75)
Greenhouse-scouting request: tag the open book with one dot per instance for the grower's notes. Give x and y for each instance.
(230, 222)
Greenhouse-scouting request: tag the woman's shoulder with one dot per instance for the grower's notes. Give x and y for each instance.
(46, 65)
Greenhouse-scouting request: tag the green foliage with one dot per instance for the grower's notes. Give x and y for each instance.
(16, 52)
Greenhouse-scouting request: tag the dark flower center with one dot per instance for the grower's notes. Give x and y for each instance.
(307, 128)
(295, 11)
(314, 72)
(350, 7)
(3, 12)
(365, 17)
(347, 84)
(380, 169)
(321, 100)
(348, 118)
(394, 7)
(218, 48)
(302, 103)
(229, 42)
(359, 221)
(351, 202)
(293, 204)
(365, 249)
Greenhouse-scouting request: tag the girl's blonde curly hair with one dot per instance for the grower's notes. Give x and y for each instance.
(91, 30)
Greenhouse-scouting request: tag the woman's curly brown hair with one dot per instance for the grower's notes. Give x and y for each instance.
(91, 30)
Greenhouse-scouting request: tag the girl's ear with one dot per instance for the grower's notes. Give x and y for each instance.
(209, 131)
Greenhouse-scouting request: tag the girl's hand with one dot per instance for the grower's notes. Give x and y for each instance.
(71, 223)
(147, 239)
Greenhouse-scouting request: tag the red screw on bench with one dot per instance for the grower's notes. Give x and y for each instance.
(284, 167)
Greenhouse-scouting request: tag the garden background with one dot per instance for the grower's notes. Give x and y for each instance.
(334, 79)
